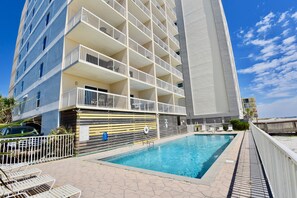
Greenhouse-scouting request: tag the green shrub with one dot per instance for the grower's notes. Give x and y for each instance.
(239, 125)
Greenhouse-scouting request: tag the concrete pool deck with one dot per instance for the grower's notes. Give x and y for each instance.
(102, 180)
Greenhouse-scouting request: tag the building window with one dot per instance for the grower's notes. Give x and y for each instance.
(180, 85)
(22, 86)
(25, 66)
(47, 19)
(33, 12)
(41, 70)
(17, 75)
(44, 43)
(30, 29)
(27, 47)
(38, 99)
(24, 27)
(22, 42)
(49, 1)
(20, 57)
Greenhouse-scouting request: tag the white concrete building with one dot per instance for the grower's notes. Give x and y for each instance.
(211, 84)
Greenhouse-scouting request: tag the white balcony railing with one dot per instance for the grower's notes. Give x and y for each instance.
(160, 42)
(159, 24)
(142, 105)
(142, 6)
(280, 164)
(142, 76)
(162, 63)
(89, 18)
(139, 25)
(157, 5)
(175, 55)
(169, 108)
(140, 49)
(117, 6)
(178, 90)
(175, 40)
(80, 97)
(168, 67)
(84, 54)
(164, 85)
(36, 149)
(166, 108)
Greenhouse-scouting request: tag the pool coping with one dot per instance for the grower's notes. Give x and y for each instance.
(227, 157)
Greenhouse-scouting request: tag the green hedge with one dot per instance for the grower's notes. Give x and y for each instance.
(239, 125)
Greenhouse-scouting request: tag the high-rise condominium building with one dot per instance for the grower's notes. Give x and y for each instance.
(100, 66)
(250, 107)
(211, 84)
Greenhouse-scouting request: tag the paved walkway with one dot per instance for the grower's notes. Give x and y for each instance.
(249, 178)
(99, 180)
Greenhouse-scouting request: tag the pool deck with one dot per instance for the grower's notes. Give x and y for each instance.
(103, 180)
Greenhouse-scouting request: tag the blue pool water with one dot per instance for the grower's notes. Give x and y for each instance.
(190, 156)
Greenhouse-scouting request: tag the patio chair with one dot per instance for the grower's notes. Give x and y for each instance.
(220, 129)
(62, 191)
(27, 184)
(14, 175)
(13, 167)
(230, 128)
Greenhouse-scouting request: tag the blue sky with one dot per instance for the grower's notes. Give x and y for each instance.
(264, 44)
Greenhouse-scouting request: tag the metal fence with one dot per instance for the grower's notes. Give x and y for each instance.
(280, 164)
(38, 149)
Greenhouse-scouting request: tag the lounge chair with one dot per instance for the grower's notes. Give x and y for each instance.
(14, 175)
(230, 128)
(62, 191)
(14, 167)
(220, 129)
(27, 184)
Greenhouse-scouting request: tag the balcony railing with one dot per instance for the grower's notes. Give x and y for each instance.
(162, 63)
(80, 97)
(142, 6)
(97, 23)
(87, 55)
(160, 43)
(178, 90)
(175, 55)
(175, 40)
(169, 108)
(117, 6)
(142, 105)
(157, 5)
(139, 25)
(140, 49)
(142, 76)
(169, 68)
(161, 25)
(164, 85)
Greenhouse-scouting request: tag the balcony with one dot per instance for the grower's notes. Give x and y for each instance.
(138, 30)
(163, 68)
(171, 109)
(176, 60)
(177, 73)
(172, 28)
(109, 10)
(139, 55)
(165, 86)
(178, 91)
(142, 105)
(161, 48)
(139, 10)
(174, 42)
(158, 10)
(89, 99)
(90, 64)
(142, 76)
(89, 30)
(159, 28)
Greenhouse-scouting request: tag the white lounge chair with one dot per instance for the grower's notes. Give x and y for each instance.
(230, 128)
(220, 129)
(59, 192)
(20, 186)
(13, 167)
(14, 175)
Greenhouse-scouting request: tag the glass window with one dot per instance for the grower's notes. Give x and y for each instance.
(44, 43)
(38, 99)
(47, 19)
(41, 70)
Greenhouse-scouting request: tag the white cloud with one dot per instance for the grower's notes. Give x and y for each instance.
(286, 32)
(294, 15)
(282, 17)
(280, 108)
(266, 23)
(289, 40)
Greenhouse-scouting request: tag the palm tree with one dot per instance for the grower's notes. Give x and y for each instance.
(6, 106)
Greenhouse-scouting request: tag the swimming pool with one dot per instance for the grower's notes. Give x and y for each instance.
(189, 156)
